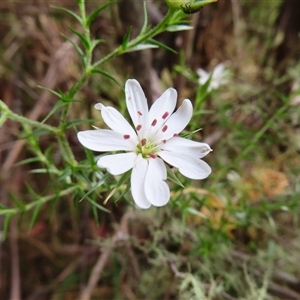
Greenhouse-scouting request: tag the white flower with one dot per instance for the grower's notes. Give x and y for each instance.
(153, 140)
(218, 77)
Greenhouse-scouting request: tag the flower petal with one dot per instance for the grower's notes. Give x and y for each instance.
(117, 164)
(191, 148)
(138, 175)
(156, 189)
(106, 140)
(162, 109)
(114, 120)
(177, 122)
(188, 166)
(136, 104)
(219, 71)
(203, 76)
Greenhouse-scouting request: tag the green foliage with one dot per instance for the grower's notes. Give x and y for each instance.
(186, 247)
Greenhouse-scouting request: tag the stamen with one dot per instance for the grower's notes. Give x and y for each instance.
(152, 155)
(154, 122)
(175, 134)
(143, 142)
(139, 113)
(164, 129)
(164, 116)
(164, 141)
(126, 136)
(138, 127)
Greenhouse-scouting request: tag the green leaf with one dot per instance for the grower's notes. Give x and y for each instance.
(161, 45)
(6, 225)
(123, 179)
(78, 122)
(94, 43)
(58, 95)
(85, 41)
(144, 28)
(71, 13)
(18, 204)
(34, 215)
(58, 105)
(107, 75)
(96, 12)
(27, 161)
(141, 47)
(44, 171)
(77, 48)
(126, 38)
(95, 204)
(174, 28)
(102, 181)
(173, 177)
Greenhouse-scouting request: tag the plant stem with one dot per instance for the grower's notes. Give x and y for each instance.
(23, 120)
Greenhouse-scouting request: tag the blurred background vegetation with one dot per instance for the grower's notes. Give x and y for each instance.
(232, 236)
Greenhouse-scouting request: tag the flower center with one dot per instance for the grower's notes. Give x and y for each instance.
(147, 148)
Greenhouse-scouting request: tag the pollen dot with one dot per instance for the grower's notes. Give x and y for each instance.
(139, 113)
(154, 122)
(126, 136)
(164, 129)
(143, 142)
(152, 155)
(138, 127)
(165, 115)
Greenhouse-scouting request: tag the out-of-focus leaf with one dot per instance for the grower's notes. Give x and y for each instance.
(174, 28)
(96, 12)
(71, 13)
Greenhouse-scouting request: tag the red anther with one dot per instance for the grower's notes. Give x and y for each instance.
(143, 142)
(152, 155)
(126, 136)
(164, 116)
(154, 122)
(164, 141)
(138, 127)
(140, 113)
(164, 129)
(175, 134)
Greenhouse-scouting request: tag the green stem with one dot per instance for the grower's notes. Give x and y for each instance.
(23, 120)
(138, 40)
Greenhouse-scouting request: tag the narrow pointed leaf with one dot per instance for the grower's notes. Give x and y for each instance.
(106, 75)
(58, 105)
(58, 95)
(18, 204)
(96, 12)
(123, 179)
(77, 48)
(172, 176)
(71, 13)
(34, 215)
(144, 28)
(141, 47)
(175, 28)
(94, 43)
(95, 204)
(126, 38)
(6, 225)
(161, 45)
(84, 40)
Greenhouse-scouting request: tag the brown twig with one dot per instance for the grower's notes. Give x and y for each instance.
(120, 235)
(15, 290)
